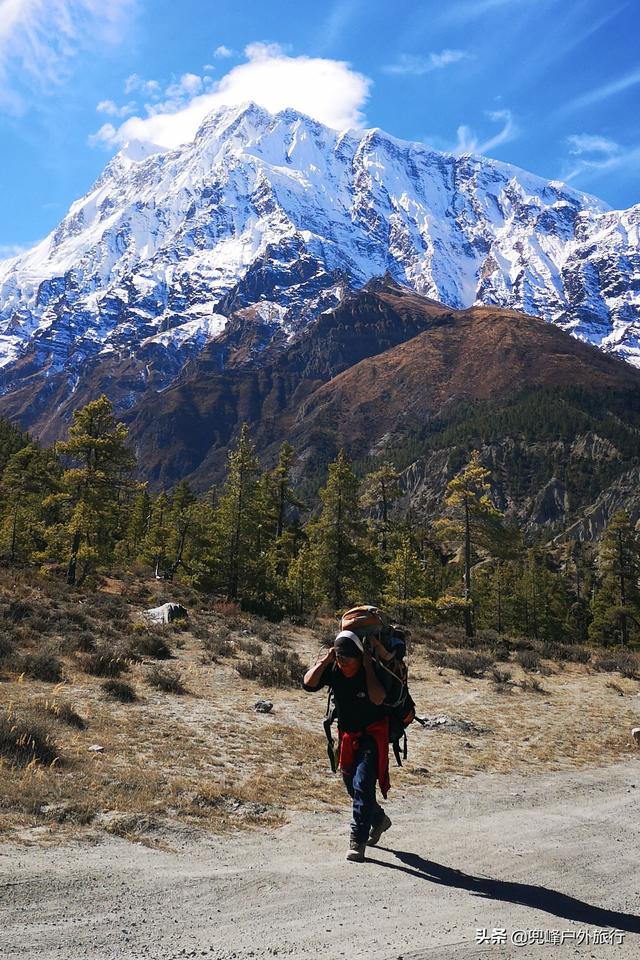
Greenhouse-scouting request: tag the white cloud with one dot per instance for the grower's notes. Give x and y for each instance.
(417, 66)
(39, 40)
(580, 143)
(605, 91)
(468, 142)
(222, 52)
(592, 155)
(328, 90)
(469, 10)
(112, 109)
(136, 84)
(8, 250)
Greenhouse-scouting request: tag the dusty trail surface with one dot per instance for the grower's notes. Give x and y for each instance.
(555, 855)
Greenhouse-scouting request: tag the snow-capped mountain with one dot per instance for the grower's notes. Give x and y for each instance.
(284, 214)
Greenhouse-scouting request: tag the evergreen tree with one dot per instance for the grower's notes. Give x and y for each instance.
(406, 590)
(91, 489)
(155, 543)
(239, 522)
(473, 520)
(616, 603)
(28, 479)
(380, 491)
(339, 556)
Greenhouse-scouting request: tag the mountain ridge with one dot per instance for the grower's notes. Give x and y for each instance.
(279, 210)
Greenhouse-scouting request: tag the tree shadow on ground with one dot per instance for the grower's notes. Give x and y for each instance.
(526, 894)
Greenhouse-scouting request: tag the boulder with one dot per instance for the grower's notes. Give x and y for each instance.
(263, 706)
(167, 613)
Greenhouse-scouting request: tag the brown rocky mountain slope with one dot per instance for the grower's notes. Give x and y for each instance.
(387, 372)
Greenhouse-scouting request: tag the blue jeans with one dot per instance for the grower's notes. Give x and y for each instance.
(361, 787)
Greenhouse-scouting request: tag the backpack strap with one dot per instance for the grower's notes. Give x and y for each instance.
(327, 723)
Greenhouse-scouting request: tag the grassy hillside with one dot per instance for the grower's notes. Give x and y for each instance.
(182, 747)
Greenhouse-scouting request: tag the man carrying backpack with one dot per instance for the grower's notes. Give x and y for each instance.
(347, 668)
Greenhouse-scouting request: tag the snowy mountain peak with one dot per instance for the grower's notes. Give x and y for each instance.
(283, 211)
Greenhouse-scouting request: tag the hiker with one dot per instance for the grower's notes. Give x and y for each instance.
(347, 668)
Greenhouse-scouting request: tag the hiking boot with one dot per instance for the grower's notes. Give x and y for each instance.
(356, 851)
(376, 832)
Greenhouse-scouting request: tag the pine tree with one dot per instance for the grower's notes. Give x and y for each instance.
(380, 491)
(406, 590)
(239, 521)
(339, 556)
(155, 543)
(473, 520)
(91, 489)
(28, 479)
(616, 603)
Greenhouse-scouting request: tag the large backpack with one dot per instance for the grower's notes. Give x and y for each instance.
(393, 675)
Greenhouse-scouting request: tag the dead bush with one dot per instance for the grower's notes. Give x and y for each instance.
(621, 661)
(41, 665)
(566, 652)
(466, 662)
(24, 740)
(102, 663)
(63, 712)
(218, 643)
(166, 679)
(501, 679)
(528, 660)
(149, 643)
(281, 668)
(251, 647)
(532, 685)
(119, 690)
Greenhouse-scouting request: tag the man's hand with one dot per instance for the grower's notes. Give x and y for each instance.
(313, 676)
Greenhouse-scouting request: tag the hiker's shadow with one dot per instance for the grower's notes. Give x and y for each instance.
(529, 895)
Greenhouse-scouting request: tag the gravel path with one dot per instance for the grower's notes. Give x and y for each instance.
(553, 856)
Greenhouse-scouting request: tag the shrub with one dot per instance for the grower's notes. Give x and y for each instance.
(148, 643)
(165, 678)
(218, 643)
(104, 664)
(501, 678)
(532, 685)
(63, 712)
(6, 647)
(119, 690)
(528, 659)
(41, 665)
(24, 741)
(566, 652)
(249, 646)
(466, 662)
(621, 660)
(281, 669)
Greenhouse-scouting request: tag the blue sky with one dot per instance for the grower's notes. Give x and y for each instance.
(550, 85)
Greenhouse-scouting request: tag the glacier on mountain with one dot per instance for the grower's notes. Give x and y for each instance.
(282, 212)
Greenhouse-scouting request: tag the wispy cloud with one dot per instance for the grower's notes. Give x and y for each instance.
(40, 39)
(604, 91)
(466, 11)
(413, 65)
(111, 109)
(328, 90)
(591, 155)
(8, 250)
(469, 142)
(336, 23)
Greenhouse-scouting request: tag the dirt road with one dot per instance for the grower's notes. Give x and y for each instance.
(555, 857)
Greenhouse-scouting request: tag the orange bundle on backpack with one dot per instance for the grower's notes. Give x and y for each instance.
(364, 621)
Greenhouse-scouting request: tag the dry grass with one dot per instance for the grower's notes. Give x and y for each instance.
(208, 760)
